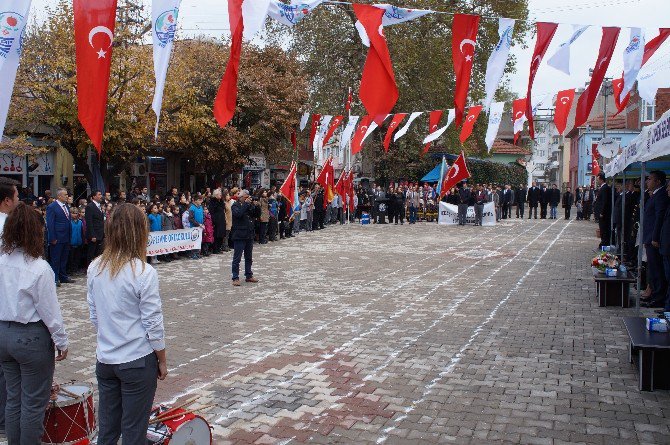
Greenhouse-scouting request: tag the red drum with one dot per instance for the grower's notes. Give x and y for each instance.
(186, 429)
(70, 419)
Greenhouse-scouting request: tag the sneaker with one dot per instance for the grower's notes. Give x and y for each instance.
(236, 282)
(252, 280)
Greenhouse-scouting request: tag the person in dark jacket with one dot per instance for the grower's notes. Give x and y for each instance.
(664, 248)
(245, 211)
(520, 198)
(217, 210)
(533, 199)
(554, 201)
(464, 198)
(567, 202)
(602, 209)
(654, 213)
(95, 226)
(319, 210)
(545, 196)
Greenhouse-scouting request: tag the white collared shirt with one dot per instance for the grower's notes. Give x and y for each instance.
(126, 312)
(28, 294)
(3, 218)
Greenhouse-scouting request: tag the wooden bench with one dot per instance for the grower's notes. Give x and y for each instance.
(613, 291)
(650, 352)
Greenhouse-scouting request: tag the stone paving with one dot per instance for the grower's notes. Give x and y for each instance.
(400, 334)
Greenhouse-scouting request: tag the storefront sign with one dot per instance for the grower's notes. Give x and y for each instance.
(172, 241)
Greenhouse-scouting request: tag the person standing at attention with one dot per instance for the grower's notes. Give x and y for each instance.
(125, 309)
(59, 231)
(31, 327)
(244, 211)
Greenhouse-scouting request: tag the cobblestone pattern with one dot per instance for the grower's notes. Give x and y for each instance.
(400, 334)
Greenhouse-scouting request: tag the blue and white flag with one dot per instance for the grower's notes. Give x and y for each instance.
(323, 129)
(392, 16)
(443, 171)
(561, 58)
(403, 131)
(495, 117)
(451, 115)
(347, 132)
(304, 119)
(13, 19)
(290, 14)
(495, 67)
(632, 60)
(164, 15)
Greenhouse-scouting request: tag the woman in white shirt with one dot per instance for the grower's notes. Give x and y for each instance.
(125, 308)
(30, 325)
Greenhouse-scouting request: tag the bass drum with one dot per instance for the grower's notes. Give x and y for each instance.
(187, 429)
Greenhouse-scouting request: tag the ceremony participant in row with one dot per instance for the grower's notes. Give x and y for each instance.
(567, 202)
(544, 201)
(664, 248)
(506, 202)
(603, 209)
(480, 199)
(31, 325)
(95, 226)
(125, 309)
(217, 208)
(9, 199)
(554, 201)
(244, 212)
(59, 231)
(533, 199)
(520, 197)
(412, 200)
(654, 213)
(588, 197)
(464, 197)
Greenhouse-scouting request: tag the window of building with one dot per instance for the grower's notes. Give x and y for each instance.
(542, 140)
(647, 111)
(555, 140)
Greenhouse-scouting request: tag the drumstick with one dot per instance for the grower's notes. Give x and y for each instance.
(182, 406)
(68, 393)
(174, 416)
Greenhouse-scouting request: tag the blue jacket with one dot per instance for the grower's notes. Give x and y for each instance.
(654, 211)
(155, 222)
(58, 224)
(77, 237)
(197, 213)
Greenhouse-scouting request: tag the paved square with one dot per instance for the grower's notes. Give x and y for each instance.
(400, 334)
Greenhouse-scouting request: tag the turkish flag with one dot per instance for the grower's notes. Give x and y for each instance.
(378, 90)
(463, 39)
(226, 97)
(288, 187)
(341, 186)
(357, 140)
(294, 140)
(519, 116)
(563, 104)
(334, 123)
(649, 50)
(393, 126)
(456, 173)
(433, 123)
(93, 38)
(595, 167)
(545, 32)
(588, 97)
(347, 104)
(350, 189)
(316, 119)
(469, 125)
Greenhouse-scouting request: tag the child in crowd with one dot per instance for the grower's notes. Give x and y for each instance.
(76, 242)
(207, 234)
(196, 219)
(176, 218)
(155, 225)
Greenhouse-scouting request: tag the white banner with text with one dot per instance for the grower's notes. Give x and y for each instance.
(449, 214)
(172, 241)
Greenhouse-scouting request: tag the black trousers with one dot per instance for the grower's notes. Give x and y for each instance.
(505, 211)
(74, 262)
(272, 229)
(605, 231)
(543, 211)
(656, 275)
(263, 233)
(519, 210)
(246, 247)
(126, 394)
(567, 212)
(94, 250)
(532, 208)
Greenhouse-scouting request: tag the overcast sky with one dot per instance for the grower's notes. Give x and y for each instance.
(210, 17)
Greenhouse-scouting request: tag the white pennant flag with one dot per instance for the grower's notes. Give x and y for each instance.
(323, 129)
(392, 16)
(649, 83)
(495, 117)
(561, 58)
(373, 126)
(292, 13)
(495, 67)
(254, 13)
(164, 15)
(440, 131)
(13, 25)
(348, 131)
(519, 120)
(403, 131)
(304, 119)
(632, 60)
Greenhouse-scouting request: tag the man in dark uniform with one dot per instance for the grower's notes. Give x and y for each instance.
(319, 211)
(567, 202)
(545, 196)
(520, 197)
(603, 209)
(533, 199)
(245, 211)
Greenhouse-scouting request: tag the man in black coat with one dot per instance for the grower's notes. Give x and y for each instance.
(245, 211)
(95, 226)
(602, 208)
(554, 201)
(665, 247)
(520, 198)
(655, 209)
(506, 201)
(533, 199)
(319, 211)
(567, 202)
(217, 209)
(464, 198)
(545, 196)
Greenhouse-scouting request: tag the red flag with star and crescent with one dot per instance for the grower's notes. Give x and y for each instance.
(226, 96)
(316, 120)
(649, 50)
(545, 32)
(288, 187)
(357, 140)
(564, 101)
(433, 122)
(93, 38)
(456, 173)
(588, 97)
(334, 123)
(518, 116)
(393, 126)
(469, 124)
(463, 40)
(378, 90)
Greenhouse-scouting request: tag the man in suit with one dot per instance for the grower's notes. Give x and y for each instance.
(95, 226)
(544, 201)
(587, 202)
(59, 230)
(533, 199)
(506, 201)
(567, 202)
(602, 208)
(520, 197)
(665, 248)
(412, 200)
(245, 211)
(554, 201)
(464, 196)
(654, 213)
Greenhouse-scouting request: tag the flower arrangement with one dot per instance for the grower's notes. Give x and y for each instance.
(604, 260)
